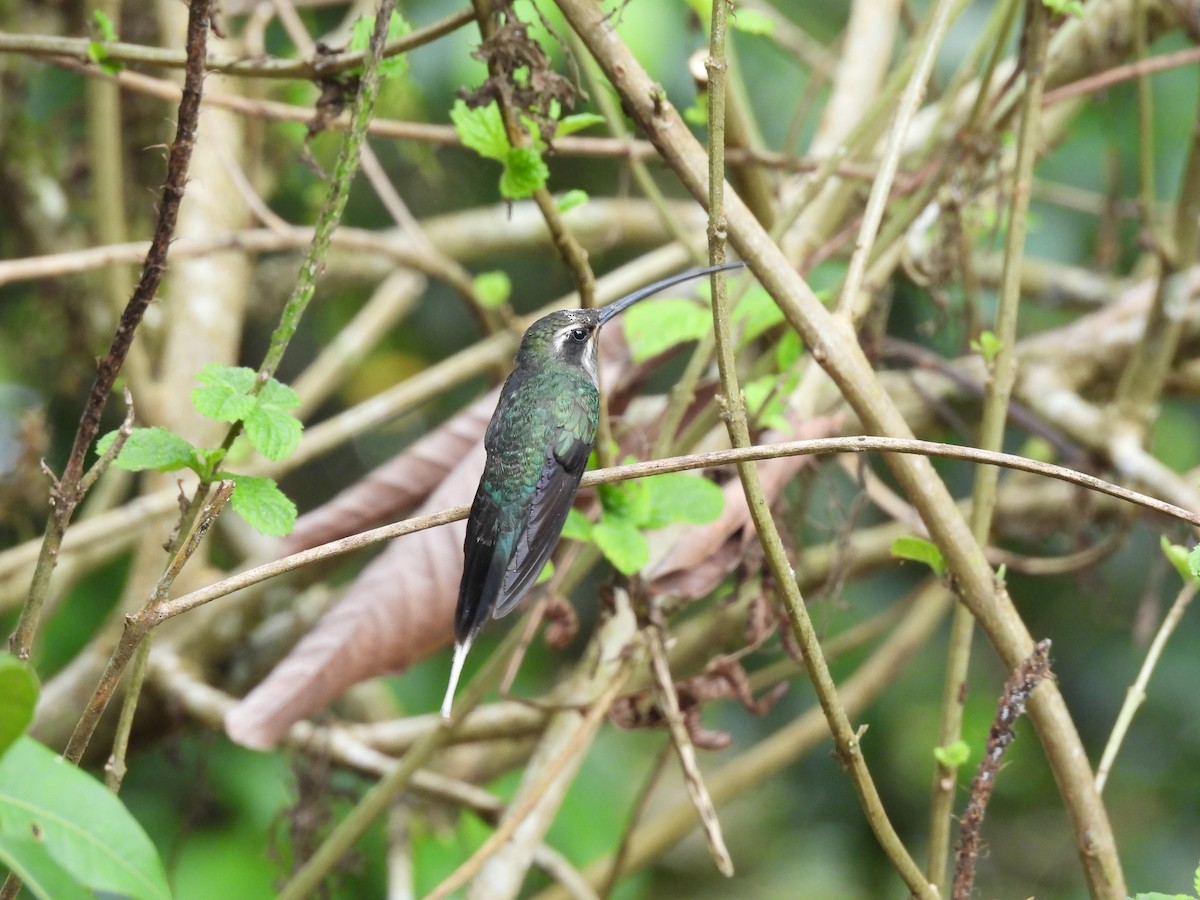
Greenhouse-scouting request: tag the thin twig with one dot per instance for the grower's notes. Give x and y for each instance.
(1136, 695)
(138, 625)
(1003, 371)
(68, 492)
(327, 66)
(668, 701)
(1017, 691)
(549, 773)
(822, 446)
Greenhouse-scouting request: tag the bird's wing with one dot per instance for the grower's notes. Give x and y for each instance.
(486, 552)
(552, 500)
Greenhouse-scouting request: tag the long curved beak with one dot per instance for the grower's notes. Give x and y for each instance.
(619, 306)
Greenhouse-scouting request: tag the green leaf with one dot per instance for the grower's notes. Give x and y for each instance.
(361, 39)
(1179, 557)
(953, 755)
(276, 393)
(1196, 882)
(577, 527)
(629, 500)
(493, 288)
(39, 872)
(79, 823)
(572, 199)
(1155, 895)
(150, 448)
(274, 432)
(919, 550)
(106, 32)
(681, 497)
(524, 173)
(756, 313)
(546, 574)
(987, 346)
(105, 28)
(751, 21)
(482, 130)
(262, 504)
(788, 350)
(578, 122)
(766, 399)
(623, 545)
(1194, 561)
(225, 392)
(655, 326)
(207, 461)
(18, 697)
(697, 113)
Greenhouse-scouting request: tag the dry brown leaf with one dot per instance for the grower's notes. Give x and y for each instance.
(399, 610)
(393, 489)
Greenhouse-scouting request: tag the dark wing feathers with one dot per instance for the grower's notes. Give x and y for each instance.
(551, 502)
(537, 451)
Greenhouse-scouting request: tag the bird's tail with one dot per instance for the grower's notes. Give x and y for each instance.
(461, 648)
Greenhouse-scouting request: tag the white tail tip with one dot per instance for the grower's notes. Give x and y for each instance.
(460, 656)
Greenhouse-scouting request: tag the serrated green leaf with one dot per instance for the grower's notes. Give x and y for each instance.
(756, 313)
(262, 504)
(482, 130)
(572, 199)
(751, 21)
(82, 825)
(276, 393)
(38, 871)
(1177, 556)
(680, 497)
(953, 755)
(274, 432)
(524, 173)
(150, 448)
(920, 550)
(578, 122)
(655, 326)
(577, 527)
(18, 697)
(621, 543)
(360, 40)
(493, 288)
(224, 393)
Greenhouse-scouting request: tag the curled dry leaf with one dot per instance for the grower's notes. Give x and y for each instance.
(399, 610)
(723, 677)
(562, 622)
(395, 488)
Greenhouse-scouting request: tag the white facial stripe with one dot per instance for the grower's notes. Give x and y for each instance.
(562, 338)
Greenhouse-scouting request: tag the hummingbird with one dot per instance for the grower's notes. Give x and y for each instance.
(537, 443)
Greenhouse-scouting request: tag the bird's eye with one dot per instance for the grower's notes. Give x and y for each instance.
(579, 335)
